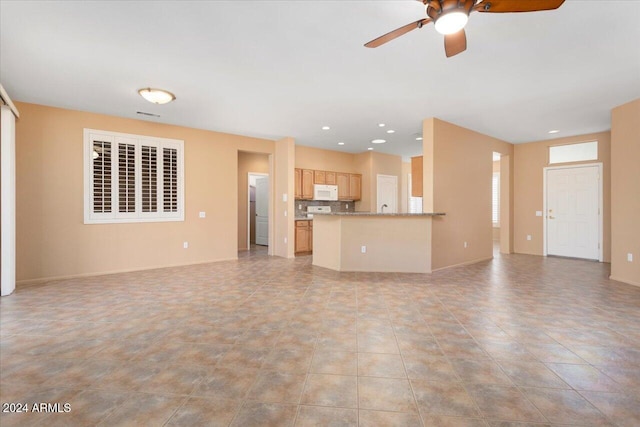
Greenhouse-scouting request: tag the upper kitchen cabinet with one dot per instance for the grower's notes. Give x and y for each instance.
(304, 184)
(319, 177)
(355, 186)
(344, 192)
(307, 184)
(298, 183)
(330, 178)
(416, 176)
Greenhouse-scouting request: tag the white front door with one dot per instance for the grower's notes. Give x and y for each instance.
(387, 194)
(262, 211)
(573, 212)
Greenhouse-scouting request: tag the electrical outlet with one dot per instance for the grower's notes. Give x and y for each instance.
(363, 249)
(630, 257)
(300, 207)
(285, 213)
(285, 240)
(346, 205)
(538, 213)
(465, 245)
(203, 214)
(185, 245)
(528, 236)
(284, 197)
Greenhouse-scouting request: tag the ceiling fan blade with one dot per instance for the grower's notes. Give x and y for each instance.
(455, 43)
(397, 33)
(504, 6)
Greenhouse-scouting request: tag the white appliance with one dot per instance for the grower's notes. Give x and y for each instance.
(317, 209)
(325, 192)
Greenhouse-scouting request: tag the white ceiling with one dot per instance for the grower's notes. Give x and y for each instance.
(273, 69)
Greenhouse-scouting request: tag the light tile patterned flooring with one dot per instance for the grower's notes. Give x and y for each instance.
(520, 340)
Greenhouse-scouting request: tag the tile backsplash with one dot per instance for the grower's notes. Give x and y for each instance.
(301, 206)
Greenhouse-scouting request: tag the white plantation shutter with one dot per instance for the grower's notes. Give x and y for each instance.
(101, 174)
(170, 178)
(495, 199)
(149, 175)
(131, 178)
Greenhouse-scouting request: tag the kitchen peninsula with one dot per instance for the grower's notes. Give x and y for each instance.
(374, 242)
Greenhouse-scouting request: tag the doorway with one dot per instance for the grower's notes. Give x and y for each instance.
(258, 209)
(387, 194)
(573, 211)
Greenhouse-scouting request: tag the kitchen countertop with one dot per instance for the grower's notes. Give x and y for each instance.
(303, 218)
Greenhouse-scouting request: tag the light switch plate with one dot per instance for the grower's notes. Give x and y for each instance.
(538, 213)
(528, 236)
(630, 257)
(203, 214)
(284, 197)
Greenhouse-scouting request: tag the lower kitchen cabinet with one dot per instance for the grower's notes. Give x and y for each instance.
(304, 236)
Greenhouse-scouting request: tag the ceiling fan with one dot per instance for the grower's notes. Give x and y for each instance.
(450, 17)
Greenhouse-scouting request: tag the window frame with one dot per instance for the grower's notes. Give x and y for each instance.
(138, 216)
(550, 161)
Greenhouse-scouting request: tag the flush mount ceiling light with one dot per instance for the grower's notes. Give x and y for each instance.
(157, 96)
(325, 128)
(391, 131)
(378, 141)
(370, 148)
(418, 138)
(381, 125)
(340, 143)
(554, 131)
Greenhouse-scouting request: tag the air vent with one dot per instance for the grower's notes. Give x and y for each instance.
(147, 114)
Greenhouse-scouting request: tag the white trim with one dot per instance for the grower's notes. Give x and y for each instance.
(7, 201)
(115, 217)
(5, 98)
(600, 205)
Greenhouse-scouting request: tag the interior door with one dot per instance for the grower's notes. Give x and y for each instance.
(387, 194)
(573, 218)
(262, 211)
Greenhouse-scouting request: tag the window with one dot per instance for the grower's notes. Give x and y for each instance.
(495, 199)
(415, 203)
(573, 152)
(132, 178)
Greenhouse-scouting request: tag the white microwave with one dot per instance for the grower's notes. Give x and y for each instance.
(325, 192)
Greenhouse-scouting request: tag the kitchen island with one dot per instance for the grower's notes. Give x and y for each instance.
(374, 242)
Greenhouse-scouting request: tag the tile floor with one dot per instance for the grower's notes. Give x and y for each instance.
(263, 341)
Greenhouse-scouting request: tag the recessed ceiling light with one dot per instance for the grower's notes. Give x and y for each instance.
(554, 131)
(157, 96)
(340, 143)
(378, 141)
(418, 138)
(325, 128)
(370, 148)
(381, 125)
(391, 131)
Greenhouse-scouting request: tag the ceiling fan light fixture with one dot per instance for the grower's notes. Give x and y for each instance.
(156, 96)
(451, 22)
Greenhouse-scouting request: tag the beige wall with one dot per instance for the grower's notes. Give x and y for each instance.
(362, 163)
(529, 162)
(329, 160)
(53, 241)
(247, 162)
(458, 166)
(393, 243)
(284, 213)
(625, 192)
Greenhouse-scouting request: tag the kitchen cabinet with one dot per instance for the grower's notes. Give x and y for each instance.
(343, 186)
(319, 177)
(307, 184)
(330, 178)
(355, 186)
(304, 236)
(416, 176)
(298, 183)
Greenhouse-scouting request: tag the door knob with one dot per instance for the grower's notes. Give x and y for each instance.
(552, 217)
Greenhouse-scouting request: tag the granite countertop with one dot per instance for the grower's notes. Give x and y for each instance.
(381, 214)
(303, 218)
